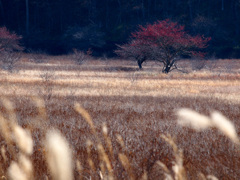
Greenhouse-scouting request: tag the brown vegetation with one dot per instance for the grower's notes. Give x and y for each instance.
(113, 118)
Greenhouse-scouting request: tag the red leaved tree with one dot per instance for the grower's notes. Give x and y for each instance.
(9, 41)
(163, 41)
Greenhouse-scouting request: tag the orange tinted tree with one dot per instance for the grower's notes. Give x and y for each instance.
(164, 41)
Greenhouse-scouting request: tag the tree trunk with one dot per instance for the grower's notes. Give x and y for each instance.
(2, 13)
(168, 67)
(120, 11)
(92, 8)
(236, 11)
(27, 17)
(143, 10)
(107, 14)
(190, 10)
(140, 61)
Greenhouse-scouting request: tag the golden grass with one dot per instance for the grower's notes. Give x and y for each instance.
(224, 86)
(114, 117)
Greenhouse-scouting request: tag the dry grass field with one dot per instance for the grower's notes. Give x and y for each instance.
(129, 112)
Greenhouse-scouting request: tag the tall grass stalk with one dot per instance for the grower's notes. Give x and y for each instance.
(104, 160)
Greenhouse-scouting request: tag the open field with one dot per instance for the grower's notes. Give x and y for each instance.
(137, 105)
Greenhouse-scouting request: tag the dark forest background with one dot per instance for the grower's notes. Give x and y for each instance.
(58, 26)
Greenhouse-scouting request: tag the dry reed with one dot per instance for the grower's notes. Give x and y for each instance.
(124, 136)
(59, 156)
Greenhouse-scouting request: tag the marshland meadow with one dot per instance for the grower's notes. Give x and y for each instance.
(106, 119)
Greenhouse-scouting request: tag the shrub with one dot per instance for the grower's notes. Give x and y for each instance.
(37, 56)
(81, 57)
(9, 44)
(9, 60)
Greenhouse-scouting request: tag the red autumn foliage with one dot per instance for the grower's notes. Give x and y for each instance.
(9, 41)
(163, 41)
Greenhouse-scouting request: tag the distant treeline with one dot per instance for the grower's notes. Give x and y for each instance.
(58, 26)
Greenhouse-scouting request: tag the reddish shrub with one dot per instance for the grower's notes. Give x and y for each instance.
(9, 41)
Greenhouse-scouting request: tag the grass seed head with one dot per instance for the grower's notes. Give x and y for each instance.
(85, 115)
(59, 156)
(79, 166)
(16, 173)
(163, 167)
(26, 165)
(23, 139)
(3, 153)
(104, 157)
(5, 129)
(10, 108)
(41, 107)
(120, 140)
(104, 129)
(193, 119)
(126, 165)
(211, 177)
(167, 172)
(225, 126)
